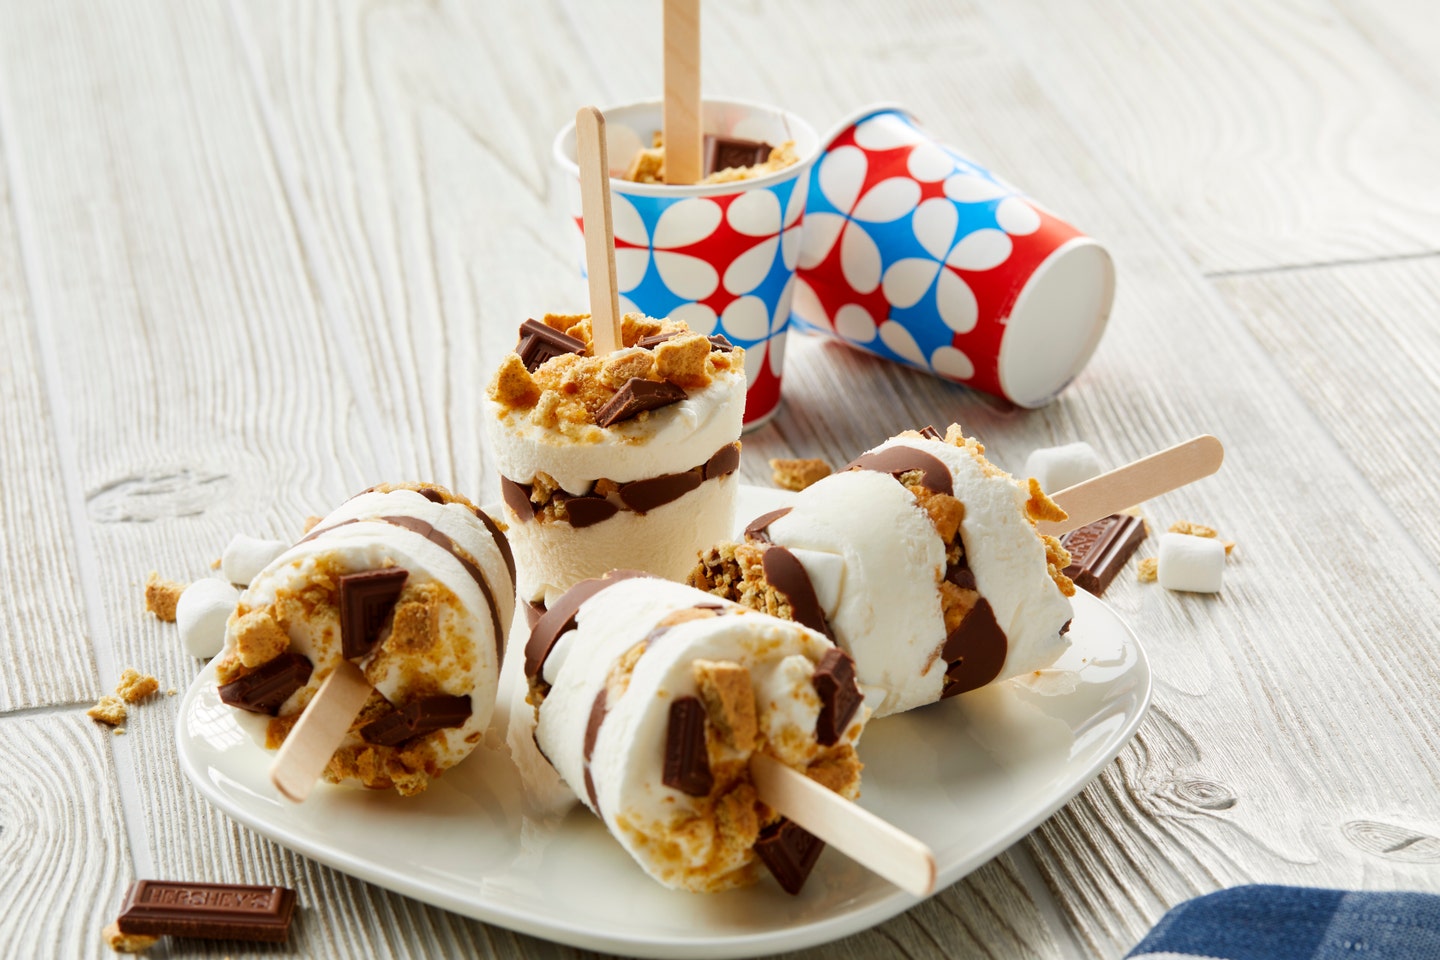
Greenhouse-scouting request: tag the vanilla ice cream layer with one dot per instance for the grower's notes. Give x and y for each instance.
(1007, 558)
(886, 613)
(552, 556)
(671, 439)
(655, 823)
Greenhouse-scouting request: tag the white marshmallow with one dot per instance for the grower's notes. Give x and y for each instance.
(1194, 564)
(1059, 467)
(246, 556)
(201, 614)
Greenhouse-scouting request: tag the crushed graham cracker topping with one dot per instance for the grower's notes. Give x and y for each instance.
(799, 473)
(135, 686)
(108, 710)
(161, 596)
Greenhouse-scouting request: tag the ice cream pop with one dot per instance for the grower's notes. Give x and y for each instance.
(413, 585)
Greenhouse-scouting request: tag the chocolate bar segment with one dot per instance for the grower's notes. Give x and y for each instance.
(687, 761)
(790, 852)
(724, 153)
(635, 397)
(269, 685)
(1100, 550)
(539, 343)
(840, 698)
(930, 433)
(212, 911)
(415, 719)
(366, 600)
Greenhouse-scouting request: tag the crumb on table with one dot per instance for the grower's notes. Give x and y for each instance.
(126, 942)
(161, 596)
(799, 473)
(135, 686)
(110, 710)
(1149, 570)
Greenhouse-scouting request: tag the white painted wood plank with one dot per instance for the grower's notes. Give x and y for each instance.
(67, 861)
(1265, 133)
(43, 637)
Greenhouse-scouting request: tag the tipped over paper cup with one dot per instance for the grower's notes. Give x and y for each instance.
(720, 256)
(915, 253)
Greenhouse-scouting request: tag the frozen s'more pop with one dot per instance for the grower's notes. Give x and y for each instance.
(921, 559)
(415, 586)
(621, 460)
(653, 699)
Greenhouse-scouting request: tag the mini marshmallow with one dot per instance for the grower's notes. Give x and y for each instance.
(201, 614)
(1195, 564)
(1059, 467)
(244, 557)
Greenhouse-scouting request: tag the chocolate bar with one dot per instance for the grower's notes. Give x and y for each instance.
(790, 852)
(635, 397)
(834, 681)
(1100, 550)
(539, 342)
(211, 911)
(687, 761)
(725, 153)
(366, 600)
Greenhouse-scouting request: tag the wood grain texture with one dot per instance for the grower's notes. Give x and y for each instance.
(1264, 134)
(43, 637)
(62, 841)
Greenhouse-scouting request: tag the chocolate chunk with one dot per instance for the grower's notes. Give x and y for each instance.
(269, 685)
(539, 343)
(687, 761)
(1100, 550)
(390, 730)
(975, 651)
(588, 511)
(366, 600)
(500, 539)
(790, 852)
(787, 574)
(834, 681)
(719, 342)
(561, 618)
(725, 462)
(723, 153)
(517, 497)
(650, 343)
(930, 433)
(599, 708)
(758, 530)
(415, 719)
(961, 575)
(534, 610)
(902, 459)
(642, 496)
(212, 911)
(637, 396)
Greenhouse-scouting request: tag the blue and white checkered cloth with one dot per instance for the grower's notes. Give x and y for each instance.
(1297, 923)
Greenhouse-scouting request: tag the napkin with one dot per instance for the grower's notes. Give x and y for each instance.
(1297, 923)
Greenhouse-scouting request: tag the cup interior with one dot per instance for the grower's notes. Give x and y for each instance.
(632, 126)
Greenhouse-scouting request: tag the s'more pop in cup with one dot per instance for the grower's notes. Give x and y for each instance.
(915, 253)
(708, 202)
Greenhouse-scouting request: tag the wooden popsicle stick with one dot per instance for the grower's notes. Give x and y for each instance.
(593, 156)
(1135, 483)
(684, 140)
(851, 829)
(320, 730)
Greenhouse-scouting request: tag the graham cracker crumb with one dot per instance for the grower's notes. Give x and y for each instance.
(1040, 507)
(798, 474)
(258, 638)
(628, 364)
(1057, 558)
(563, 321)
(108, 710)
(135, 686)
(228, 668)
(311, 522)
(513, 386)
(170, 692)
(1149, 570)
(126, 942)
(1192, 529)
(729, 700)
(635, 327)
(838, 771)
(417, 621)
(648, 166)
(682, 361)
(118, 731)
(1229, 545)
(161, 596)
(945, 511)
(215, 564)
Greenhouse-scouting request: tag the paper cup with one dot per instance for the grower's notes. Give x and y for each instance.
(917, 254)
(720, 256)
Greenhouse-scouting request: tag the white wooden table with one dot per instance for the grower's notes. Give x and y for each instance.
(257, 255)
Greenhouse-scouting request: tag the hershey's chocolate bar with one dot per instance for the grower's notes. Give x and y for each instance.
(213, 911)
(725, 153)
(1100, 550)
(789, 851)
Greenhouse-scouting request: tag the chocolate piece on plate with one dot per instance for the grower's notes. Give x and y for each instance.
(790, 852)
(213, 911)
(834, 681)
(1100, 550)
(269, 685)
(725, 461)
(366, 599)
(723, 153)
(637, 396)
(539, 343)
(687, 761)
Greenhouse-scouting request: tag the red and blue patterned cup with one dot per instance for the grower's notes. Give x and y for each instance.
(915, 253)
(719, 256)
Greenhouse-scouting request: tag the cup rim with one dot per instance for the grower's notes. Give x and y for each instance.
(856, 117)
(632, 188)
